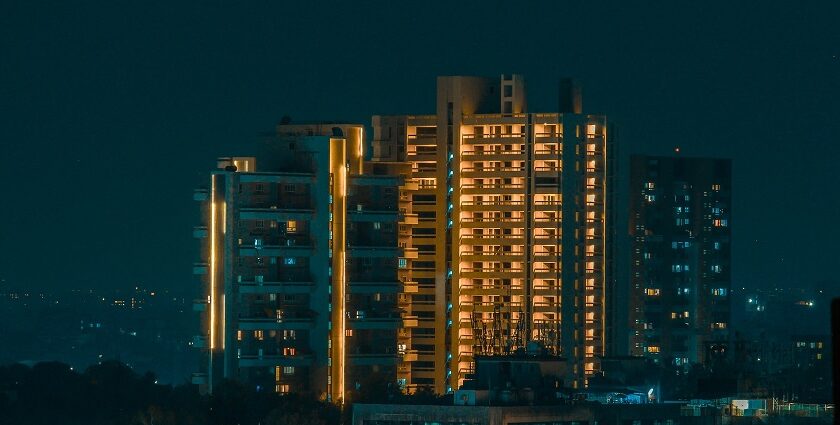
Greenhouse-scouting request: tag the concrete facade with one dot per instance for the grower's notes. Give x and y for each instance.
(513, 215)
(299, 259)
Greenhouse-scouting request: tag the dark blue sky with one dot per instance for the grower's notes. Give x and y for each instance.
(112, 112)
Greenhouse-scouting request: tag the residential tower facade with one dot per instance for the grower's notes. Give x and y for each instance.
(299, 265)
(514, 236)
(680, 271)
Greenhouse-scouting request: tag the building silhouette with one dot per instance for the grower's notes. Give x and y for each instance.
(680, 230)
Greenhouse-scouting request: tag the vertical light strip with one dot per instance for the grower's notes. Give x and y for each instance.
(339, 157)
(212, 262)
(342, 282)
(604, 245)
(361, 146)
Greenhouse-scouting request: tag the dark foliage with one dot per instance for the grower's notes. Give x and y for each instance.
(111, 393)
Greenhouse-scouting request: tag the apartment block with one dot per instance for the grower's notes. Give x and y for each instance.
(513, 239)
(680, 271)
(300, 266)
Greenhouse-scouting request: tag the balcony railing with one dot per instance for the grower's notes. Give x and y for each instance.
(492, 169)
(469, 203)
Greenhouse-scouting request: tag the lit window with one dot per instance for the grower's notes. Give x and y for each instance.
(653, 349)
(288, 370)
(716, 187)
(290, 261)
(281, 388)
(348, 332)
(652, 292)
(291, 226)
(403, 263)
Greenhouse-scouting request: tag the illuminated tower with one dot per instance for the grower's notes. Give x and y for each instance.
(514, 230)
(680, 225)
(301, 266)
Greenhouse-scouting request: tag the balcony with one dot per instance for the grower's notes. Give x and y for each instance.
(548, 138)
(421, 156)
(547, 154)
(374, 323)
(477, 272)
(355, 287)
(291, 287)
(278, 247)
(495, 139)
(491, 255)
(373, 251)
(277, 214)
(492, 189)
(493, 155)
(200, 268)
(370, 215)
(410, 287)
(275, 360)
(201, 195)
(410, 356)
(199, 341)
(252, 324)
(199, 304)
(483, 206)
(489, 289)
(494, 239)
(409, 219)
(372, 359)
(200, 232)
(422, 139)
(472, 172)
(410, 321)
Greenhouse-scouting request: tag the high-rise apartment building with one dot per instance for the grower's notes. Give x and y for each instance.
(680, 271)
(514, 232)
(300, 261)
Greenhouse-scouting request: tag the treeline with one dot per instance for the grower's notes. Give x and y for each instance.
(112, 393)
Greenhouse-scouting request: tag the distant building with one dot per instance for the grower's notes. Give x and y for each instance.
(680, 226)
(514, 212)
(811, 351)
(299, 262)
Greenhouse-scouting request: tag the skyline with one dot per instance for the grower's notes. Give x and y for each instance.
(137, 136)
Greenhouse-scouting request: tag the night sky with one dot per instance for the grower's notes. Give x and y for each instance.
(113, 112)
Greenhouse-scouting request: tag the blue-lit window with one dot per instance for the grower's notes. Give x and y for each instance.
(290, 261)
(720, 292)
(403, 263)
